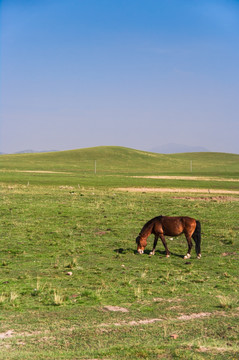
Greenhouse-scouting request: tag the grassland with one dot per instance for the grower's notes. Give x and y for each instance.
(68, 251)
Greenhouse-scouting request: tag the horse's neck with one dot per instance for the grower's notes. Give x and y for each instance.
(147, 231)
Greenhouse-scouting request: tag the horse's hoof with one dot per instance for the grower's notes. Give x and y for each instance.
(187, 256)
(167, 255)
(199, 256)
(151, 253)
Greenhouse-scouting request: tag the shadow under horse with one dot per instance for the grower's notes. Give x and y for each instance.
(162, 226)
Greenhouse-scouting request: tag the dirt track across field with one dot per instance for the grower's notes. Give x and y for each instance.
(201, 178)
(36, 171)
(178, 190)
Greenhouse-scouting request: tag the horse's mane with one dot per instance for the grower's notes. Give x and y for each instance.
(149, 224)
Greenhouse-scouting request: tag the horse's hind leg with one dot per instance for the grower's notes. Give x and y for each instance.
(164, 244)
(154, 246)
(190, 245)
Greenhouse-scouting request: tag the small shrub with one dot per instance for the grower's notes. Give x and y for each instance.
(225, 302)
(58, 299)
(3, 299)
(138, 292)
(72, 264)
(13, 296)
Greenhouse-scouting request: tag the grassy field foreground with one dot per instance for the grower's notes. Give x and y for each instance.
(72, 286)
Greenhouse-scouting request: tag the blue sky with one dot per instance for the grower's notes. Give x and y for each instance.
(134, 73)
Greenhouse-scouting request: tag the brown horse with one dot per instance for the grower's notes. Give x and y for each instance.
(162, 226)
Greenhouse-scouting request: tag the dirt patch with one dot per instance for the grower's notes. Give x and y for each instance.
(207, 348)
(66, 187)
(101, 232)
(194, 316)
(144, 322)
(6, 335)
(133, 322)
(166, 300)
(43, 172)
(178, 190)
(11, 333)
(151, 321)
(229, 253)
(208, 198)
(115, 308)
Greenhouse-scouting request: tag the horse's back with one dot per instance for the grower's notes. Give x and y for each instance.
(176, 225)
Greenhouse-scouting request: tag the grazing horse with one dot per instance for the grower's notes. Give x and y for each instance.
(162, 226)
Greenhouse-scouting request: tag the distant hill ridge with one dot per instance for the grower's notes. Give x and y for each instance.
(178, 148)
(171, 148)
(122, 160)
(33, 151)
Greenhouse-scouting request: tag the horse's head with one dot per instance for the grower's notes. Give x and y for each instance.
(141, 244)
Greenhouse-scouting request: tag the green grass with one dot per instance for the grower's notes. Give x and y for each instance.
(57, 225)
(118, 160)
(116, 167)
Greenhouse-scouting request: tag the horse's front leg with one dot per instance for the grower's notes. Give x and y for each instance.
(190, 245)
(165, 245)
(155, 244)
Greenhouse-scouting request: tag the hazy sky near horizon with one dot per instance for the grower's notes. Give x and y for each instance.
(134, 73)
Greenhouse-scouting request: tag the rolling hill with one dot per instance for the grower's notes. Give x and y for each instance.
(120, 160)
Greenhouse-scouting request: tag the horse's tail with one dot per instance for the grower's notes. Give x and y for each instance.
(197, 237)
